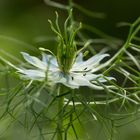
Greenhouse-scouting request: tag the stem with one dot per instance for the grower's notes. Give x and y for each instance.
(60, 115)
(69, 10)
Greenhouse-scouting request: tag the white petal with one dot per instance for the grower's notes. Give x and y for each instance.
(32, 74)
(49, 59)
(75, 81)
(79, 59)
(99, 77)
(90, 63)
(105, 78)
(90, 76)
(34, 61)
(57, 76)
(72, 86)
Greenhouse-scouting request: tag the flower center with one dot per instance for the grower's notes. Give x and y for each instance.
(66, 48)
(66, 56)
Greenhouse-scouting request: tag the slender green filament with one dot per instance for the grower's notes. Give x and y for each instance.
(66, 48)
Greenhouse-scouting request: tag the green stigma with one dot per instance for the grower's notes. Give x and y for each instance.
(66, 48)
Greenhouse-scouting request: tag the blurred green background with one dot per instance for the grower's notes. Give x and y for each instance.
(24, 23)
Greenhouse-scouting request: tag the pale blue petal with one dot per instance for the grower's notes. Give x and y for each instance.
(90, 76)
(105, 79)
(72, 86)
(32, 74)
(75, 81)
(90, 63)
(57, 77)
(34, 61)
(79, 59)
(49, 59)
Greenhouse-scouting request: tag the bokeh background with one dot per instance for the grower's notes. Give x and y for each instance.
(24, 27)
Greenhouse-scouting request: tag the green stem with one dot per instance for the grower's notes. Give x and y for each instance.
(60, 115)
(69, 10)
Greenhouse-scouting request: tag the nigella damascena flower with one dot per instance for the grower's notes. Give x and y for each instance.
(68, 66)
(82, 73)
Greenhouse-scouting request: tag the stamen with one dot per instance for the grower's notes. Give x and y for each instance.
(85, 68)
(72, 78)
(84, 74)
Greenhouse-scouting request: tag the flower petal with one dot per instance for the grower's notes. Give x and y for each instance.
(90, 63)
(79, 59)
(105, 79)
(91, 76)
(56, 77)
(75, 81)
(34, 61)
(32, 74)
(49, 59)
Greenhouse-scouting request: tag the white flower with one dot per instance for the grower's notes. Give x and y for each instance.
(81, 73)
